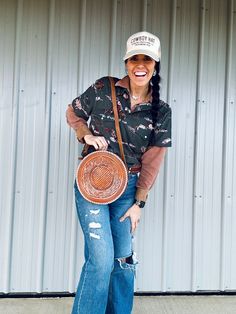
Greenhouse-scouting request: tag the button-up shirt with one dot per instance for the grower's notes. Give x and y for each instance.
(143, 145)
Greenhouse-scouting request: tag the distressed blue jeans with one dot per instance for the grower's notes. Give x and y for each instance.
(106, 284)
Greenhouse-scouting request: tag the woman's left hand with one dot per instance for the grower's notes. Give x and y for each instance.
(134, 212)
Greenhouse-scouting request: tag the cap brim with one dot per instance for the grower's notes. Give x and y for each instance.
(141, 52)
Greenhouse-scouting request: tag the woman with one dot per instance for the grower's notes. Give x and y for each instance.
(107, 280)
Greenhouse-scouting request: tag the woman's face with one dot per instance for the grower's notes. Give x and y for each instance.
(140, 69)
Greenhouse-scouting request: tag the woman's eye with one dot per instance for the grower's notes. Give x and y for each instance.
(134, 58)
(147, 58)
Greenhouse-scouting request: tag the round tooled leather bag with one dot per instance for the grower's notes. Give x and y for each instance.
(101, 177)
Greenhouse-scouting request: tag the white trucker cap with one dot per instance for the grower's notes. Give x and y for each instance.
(143, 43)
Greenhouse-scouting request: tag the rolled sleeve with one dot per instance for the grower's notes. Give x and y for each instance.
(78, 124)
(79, 111)
(83, 105)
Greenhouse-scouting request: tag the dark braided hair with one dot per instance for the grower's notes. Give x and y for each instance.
(155, 81)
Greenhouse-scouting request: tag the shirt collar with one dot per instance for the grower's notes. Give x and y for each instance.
(124, 83)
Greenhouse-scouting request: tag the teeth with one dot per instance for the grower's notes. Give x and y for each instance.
(140, 73)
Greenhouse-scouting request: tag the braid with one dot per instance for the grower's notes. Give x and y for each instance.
(155, 93)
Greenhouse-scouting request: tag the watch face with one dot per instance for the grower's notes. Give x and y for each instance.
(140, 204)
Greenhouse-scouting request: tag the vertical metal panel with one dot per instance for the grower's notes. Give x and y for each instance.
(53, 50)
(208, 167)
(31, 34)
(8, 120)
(228, 256)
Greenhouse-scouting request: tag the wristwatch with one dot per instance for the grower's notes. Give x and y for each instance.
(140, 204)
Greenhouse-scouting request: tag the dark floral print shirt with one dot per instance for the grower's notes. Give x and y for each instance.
(136, 126)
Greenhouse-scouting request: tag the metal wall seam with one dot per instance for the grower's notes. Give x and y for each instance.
(15, 109)
(166, 192)
(81, 41)
(111, 67)
(144, 14)
(195, 161)
(80, 86)
(225, 265)
(46, 150)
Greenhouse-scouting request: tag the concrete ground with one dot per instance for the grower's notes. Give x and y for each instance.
(142, 305)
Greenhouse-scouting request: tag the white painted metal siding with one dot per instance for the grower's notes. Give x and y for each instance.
(50, 51)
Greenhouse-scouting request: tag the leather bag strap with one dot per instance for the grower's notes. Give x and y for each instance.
(116, 116)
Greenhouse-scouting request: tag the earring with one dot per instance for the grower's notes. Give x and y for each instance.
(126, 71)
(154, 73)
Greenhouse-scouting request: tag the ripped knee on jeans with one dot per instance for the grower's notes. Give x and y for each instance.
(129, 262)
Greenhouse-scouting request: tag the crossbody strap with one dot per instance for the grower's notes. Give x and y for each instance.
(117, 125)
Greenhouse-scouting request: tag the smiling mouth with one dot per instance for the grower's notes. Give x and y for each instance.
(140, 73)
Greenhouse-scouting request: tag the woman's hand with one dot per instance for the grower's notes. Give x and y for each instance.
(98, 142)
(134, 213)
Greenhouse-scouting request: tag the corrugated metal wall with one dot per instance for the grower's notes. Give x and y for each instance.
(50, 52)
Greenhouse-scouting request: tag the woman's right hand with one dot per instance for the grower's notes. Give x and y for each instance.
(98, 142)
